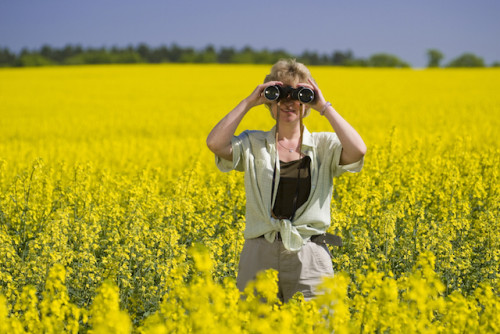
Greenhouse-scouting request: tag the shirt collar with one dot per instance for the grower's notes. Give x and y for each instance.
(307, 139)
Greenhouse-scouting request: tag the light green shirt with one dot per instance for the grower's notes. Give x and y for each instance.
(254, 152)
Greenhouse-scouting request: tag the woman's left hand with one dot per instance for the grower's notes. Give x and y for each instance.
(319, 101)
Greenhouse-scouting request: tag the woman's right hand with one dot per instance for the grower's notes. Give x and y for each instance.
(257, 97)
(219, 139)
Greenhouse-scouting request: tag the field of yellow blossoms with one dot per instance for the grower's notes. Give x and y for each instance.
(114, 218)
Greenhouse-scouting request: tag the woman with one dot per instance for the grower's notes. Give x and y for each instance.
(288, 180)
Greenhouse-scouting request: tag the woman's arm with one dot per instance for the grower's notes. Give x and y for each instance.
(353, 146)
(219, 139)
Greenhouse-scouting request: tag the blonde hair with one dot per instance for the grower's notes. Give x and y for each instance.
(289, 70)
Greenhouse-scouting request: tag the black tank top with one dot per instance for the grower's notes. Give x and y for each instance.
(293, 188)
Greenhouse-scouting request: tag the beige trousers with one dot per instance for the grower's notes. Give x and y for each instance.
(297, 271)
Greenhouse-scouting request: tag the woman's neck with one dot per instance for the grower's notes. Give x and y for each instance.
(288, 131)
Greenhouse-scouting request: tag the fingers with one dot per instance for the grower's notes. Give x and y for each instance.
(319, 100)
(263, 86)
(271, 83)
(257, 96)
(305, 85)
(312, 83)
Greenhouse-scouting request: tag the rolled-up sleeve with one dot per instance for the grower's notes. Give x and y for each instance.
(237, 163)
(337, 168)
(354, 167)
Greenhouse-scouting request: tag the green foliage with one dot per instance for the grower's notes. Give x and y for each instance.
(467, 60)
(386, 60)
(103, 56)
(142, 53)
(33, 60)
(411, 304)
(76, 55)
(7, 58)
(434, 58)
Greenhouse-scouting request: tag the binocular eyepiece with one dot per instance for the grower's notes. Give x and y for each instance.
(277, 92)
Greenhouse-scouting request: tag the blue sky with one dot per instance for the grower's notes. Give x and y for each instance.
(401, 27)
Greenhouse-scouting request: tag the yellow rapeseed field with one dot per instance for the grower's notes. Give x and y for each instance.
(114, 218)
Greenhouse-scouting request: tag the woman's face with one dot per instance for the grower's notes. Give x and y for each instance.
(289, 109)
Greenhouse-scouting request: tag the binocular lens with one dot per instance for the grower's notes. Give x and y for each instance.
(275, 93)
(306, 95)
(272, 93)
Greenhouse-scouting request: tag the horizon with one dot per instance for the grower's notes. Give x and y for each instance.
(406, 30)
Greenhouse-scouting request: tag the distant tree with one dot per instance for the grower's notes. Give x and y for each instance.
(60, 55)
(7, 58)
(359, 62)
(47, 52)
(325, 60)
(245, 56)
(279, 54)
(226, 55)
(175, 53)
(269, 57)
(34, 59)
(310, 58)
(188, 55)
(340, 58)
(208, 55)
(434, 58)
(495, 64)
(159, 55)
(114, 50)
(75, 60)
(144, 52)
(386, 60)
(263, 56)
(467, 60)
(73, 55)
(91, 56)
(126, 56)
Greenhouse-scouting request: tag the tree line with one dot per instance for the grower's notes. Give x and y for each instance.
(142, 53)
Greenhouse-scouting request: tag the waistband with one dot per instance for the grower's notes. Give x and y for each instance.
(320, 239)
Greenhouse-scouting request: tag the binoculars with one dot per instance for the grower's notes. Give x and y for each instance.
(277, 92)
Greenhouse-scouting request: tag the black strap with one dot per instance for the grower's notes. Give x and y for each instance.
(327, 239)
